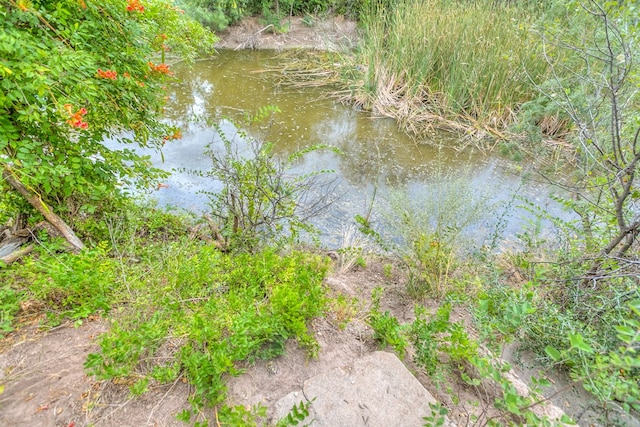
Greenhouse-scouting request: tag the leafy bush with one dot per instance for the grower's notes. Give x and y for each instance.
(386, 328)
(222, 309)
(9, 306)
(261, 201)
(425, 231)
(435, 335)
(75, 74)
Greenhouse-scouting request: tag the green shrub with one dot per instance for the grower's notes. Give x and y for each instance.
(9, 306)
(70, 285)
(430, 231)
(222, 309)
(434, 336)
(261, 199)
(387, 330)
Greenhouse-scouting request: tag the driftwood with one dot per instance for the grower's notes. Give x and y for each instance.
(16, 255)
(36, 201)
(14, 237)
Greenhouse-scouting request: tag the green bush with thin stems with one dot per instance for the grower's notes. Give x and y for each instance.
(474, 60)
(430, 231)
(218, 312)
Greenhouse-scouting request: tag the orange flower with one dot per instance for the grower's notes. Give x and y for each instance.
(108, 74)
(177, 134)
(75, 119)
(160, 68)
(135, 6)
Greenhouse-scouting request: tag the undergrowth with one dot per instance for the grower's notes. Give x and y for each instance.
(219, 312)
(179, 309)
(445, 351)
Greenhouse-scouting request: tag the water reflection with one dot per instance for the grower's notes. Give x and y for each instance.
(374, 153)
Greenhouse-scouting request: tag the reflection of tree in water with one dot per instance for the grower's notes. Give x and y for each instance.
(225, 85)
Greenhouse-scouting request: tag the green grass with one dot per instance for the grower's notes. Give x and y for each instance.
(470, 60)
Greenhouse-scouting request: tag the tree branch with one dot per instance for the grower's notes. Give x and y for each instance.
(38, 204)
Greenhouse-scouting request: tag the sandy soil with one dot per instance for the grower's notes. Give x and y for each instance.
(331, 34)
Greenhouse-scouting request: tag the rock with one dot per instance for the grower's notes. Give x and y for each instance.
(376, 391)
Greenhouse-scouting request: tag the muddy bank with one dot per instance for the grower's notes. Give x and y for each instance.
(334, 33)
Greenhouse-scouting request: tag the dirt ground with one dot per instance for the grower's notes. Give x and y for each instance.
(334, 33)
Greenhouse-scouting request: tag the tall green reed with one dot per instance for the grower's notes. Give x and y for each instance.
(475, 59)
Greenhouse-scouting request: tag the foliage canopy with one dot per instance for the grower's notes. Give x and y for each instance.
(74, 73)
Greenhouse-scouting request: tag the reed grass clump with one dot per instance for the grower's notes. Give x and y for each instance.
(426, 61)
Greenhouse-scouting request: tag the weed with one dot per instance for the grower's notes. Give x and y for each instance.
(425, 231)
(298, 414)
(433, 336)
(388, 270)
(438, 416)
(353, 251)
(71, 286)
(9, 306)
(260, 202)
(343, 309)
(220, 309)
(387, 330)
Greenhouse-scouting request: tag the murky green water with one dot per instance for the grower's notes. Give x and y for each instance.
(374, 153)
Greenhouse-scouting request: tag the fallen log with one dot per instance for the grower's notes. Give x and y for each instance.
(36, 201)
(16, 255)
(11, 245)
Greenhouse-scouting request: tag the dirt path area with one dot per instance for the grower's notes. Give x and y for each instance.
(334, 33)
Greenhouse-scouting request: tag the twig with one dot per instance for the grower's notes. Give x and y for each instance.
(163, 397)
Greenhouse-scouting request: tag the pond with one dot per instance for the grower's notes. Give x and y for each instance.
(376, 161)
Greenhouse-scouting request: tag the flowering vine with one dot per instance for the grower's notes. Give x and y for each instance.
(107, 74)
(177, 134)
(75, 120)
(160, 68)
(135, 6)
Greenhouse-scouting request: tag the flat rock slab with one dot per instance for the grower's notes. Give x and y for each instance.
(376, 391)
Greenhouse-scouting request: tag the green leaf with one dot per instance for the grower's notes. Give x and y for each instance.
(577, 341)
(554, 354)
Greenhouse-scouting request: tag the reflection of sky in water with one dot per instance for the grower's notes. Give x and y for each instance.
(374, 153)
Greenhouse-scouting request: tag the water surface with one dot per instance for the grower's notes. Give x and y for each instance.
(376, 157)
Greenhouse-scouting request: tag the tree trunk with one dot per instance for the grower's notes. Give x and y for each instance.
(35, 201)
